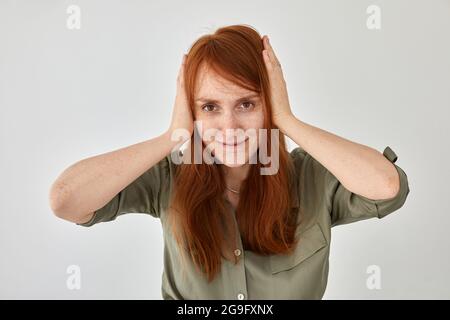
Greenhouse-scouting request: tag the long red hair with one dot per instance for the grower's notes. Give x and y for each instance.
(201, 220)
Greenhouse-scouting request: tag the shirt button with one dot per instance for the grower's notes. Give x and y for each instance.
(237, 252)
(240, 296)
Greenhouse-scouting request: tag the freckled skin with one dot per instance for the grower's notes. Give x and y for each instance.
(226, 113)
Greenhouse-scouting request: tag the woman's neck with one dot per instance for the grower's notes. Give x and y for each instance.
(235, 175)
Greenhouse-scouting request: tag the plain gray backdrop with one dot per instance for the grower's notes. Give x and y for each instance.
(67, 94)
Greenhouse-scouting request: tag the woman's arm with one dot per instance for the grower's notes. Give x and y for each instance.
(89, 184)
(361, 169)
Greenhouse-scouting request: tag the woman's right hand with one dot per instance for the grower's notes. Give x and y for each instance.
(181, 115)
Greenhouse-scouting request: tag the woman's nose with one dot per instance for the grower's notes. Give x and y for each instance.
(231, 129)
(229, 121)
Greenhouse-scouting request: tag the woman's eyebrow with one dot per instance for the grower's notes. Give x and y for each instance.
(217, 101)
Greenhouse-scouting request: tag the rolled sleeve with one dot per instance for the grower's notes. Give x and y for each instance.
(347, 207)
(148, 194)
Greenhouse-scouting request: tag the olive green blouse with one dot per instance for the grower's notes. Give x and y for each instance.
(324, 201)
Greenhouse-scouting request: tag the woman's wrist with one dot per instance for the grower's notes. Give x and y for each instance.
(174, 137)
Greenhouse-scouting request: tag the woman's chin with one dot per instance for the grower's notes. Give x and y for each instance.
(233, 165)
(232, 160)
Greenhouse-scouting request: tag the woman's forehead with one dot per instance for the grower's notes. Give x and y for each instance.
(212, 86)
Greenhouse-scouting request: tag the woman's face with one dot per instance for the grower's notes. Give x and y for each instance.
(222, 108)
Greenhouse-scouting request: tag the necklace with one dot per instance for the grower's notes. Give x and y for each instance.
(234, 191)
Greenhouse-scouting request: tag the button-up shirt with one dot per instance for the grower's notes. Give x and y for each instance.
(324, 202)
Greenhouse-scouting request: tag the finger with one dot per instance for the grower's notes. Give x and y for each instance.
(183, 63)
(267, 61)
(267, 49)
(270, 65)
(271, 52)
(181, 70)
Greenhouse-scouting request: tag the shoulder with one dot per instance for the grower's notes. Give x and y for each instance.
(306, 165)
(166, 166)
(313, 181)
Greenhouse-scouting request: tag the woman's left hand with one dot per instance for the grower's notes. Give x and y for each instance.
(280, 101)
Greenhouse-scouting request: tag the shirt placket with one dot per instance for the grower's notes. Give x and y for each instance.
(238, 273)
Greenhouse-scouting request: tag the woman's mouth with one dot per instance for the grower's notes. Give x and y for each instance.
(233, 144)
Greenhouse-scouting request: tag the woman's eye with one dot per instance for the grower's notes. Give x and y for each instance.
(208, 107)
(248, 105)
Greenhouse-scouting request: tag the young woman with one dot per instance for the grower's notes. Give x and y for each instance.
(231, 232)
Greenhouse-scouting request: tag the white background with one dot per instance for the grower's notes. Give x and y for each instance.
(69, 94)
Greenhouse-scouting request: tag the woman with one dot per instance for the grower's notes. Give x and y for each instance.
(230, 231)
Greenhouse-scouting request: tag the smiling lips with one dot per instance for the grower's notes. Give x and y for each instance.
(232, 144)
